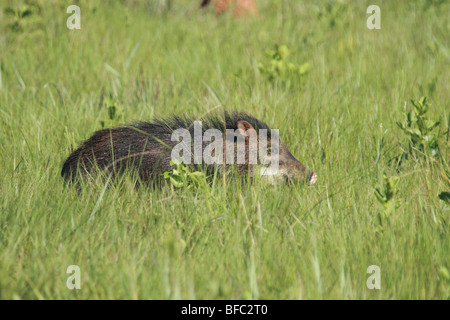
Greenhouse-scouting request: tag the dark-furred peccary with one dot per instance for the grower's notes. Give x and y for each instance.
(222, 141)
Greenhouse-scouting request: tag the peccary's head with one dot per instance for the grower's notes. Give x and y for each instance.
(274, 160)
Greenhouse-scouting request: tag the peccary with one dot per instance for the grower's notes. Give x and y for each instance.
(221, 141)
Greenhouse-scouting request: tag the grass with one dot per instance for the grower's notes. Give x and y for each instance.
(241, 240)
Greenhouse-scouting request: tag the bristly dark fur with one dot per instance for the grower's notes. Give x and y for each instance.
(218, 120)
(145, 142)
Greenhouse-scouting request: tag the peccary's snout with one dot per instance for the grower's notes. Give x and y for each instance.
(310, 176)
(292, 169)
(298, 171)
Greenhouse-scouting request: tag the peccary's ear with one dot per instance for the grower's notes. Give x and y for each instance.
(243, 126)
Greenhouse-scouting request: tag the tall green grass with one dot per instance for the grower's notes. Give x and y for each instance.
(239, 240)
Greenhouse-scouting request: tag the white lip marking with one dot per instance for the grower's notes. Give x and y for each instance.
(269, 171)
(313, 178)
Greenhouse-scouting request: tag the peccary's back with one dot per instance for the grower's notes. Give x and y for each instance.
(144, 146)
(112, 150)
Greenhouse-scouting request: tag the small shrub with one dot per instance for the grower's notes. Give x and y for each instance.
(279, 68)
(114, 112)
(387, 198)
(445, 196)
(23, 18)
(182, 177)
(419, 130)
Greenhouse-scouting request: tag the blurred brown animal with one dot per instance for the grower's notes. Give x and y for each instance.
(240, 7)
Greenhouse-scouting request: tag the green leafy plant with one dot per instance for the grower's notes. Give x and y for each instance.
(419, 129)
(22, 18)
(18, 16)
(445, 196)
(331, 13)
(279, 68)
(386, 198)
(114, 114)
(182, 177)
